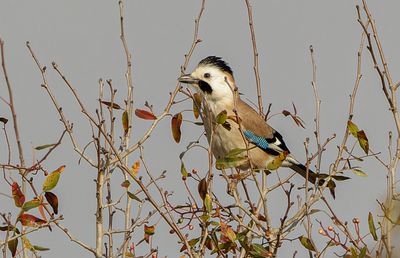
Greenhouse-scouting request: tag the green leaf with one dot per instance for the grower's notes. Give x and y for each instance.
(44, 146)
(208, 203)
(12, 246)
(353, 129)
(205, 217)
(353, 252)
(221, 117)
(363, 252)
(277, 161)
(259, 251)
(313, 211)
(340, 178)
(52, 179)
(228, 162)
(149, 230)
(40, 248)
(129, 254)
(307, 243)
(183, 170)
(125, 121)
(194, 241)
(371, 225)
(214, 223)
(224, 247)
(358, 172)
(31, 205)
(133, 196)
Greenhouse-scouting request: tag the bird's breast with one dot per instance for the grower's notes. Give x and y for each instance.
(223, 140)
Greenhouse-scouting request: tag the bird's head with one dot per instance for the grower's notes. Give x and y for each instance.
(213, 78)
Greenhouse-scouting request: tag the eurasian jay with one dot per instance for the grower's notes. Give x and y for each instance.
(214, 80)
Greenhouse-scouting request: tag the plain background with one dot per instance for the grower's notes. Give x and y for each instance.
(83, 38)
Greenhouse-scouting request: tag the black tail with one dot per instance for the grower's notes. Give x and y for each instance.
(302, 170)
(312, 177)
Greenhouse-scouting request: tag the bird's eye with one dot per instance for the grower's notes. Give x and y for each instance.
(207, 75)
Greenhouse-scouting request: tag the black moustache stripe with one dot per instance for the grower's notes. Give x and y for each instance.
(205, 87)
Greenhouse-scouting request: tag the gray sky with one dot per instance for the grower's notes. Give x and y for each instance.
(83, 38)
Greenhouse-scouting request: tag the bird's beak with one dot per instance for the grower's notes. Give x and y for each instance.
(187, 78)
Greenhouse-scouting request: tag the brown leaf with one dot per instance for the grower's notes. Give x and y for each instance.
(298, 121)
(145, 114)
(363, 141)
(196, 104)
(126, 184)
(202, 188)
(109, 104)
(228, 232)
(176, 123)
(3, 120)
(52, 199)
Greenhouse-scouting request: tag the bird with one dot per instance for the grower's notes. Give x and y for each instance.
(244, 127)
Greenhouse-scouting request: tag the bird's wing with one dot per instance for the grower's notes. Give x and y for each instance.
(258, 132)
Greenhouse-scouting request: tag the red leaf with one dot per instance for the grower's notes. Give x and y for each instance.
(19, 197)
(30, 220)
(145, 114)
(41, 211)
(126, 184)
(52, 199)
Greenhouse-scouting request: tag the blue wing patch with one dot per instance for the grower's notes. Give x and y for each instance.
(260, 142)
